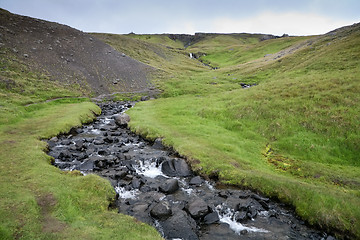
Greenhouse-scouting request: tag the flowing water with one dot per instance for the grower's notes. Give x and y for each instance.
(156, 186)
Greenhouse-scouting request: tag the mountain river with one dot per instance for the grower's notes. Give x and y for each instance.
(156, 186)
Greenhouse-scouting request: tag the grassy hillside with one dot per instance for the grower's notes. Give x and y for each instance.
(166, 55)
(222, 51)
(37, 200)
(158, 39)
(294, 136)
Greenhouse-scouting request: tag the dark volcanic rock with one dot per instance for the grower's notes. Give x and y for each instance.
(197, 208)
(120, 174)
(172, 229)
(211, 218)
(241, 216)
(66, 142)
(196, 181)
(169, 186)
(158, 144)
(145, 98)
(224, 194)
(175, 168)
(136, 183)
(162, 210)
(99, 141)
(140, 211)
(252, 212)
(88, 165)
(182, 207)
(259, 198)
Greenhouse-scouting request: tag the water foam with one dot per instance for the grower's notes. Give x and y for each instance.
(210, 186)
(106, 120)
(226, 215)
(148, 168)
(188, 191)
(126, 194)
(158, 226)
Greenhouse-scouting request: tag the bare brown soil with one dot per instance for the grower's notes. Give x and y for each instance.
(49, 223)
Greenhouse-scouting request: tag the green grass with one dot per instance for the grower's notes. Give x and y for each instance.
(162, 39)
(294, 137)
(21, 86)
(159, 56)
(223, 51)
(39, 201)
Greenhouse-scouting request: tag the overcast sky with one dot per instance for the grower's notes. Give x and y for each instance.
(294, 17)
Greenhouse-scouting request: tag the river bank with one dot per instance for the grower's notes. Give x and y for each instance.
(155, 185)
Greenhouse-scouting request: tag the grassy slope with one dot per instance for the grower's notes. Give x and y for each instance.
(159, 39)
(223, 51)
(20, 86)
(294, 136)
(40, 201)
(37, 200)
(141, 47)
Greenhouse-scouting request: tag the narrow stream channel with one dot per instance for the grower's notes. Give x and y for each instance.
(156, 186)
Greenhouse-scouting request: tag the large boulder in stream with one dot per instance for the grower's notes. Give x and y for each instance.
(169, 186)
(172, 229)
(162, 210)
(211, 218)
(197, 181)
(197, 208)
(122, 119)
(175, 168)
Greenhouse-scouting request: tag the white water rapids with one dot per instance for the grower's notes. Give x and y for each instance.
(226, 215)
(150, 169)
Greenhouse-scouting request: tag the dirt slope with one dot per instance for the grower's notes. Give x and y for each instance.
(71, 56)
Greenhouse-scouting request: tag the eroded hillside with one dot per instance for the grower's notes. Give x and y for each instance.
(72, 59)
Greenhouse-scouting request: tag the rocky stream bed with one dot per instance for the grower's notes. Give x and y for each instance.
(156, 186)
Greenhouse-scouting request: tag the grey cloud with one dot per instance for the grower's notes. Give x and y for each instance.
(158, 16)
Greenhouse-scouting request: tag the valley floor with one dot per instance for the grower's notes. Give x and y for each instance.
(39, 201)
(293, 135)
